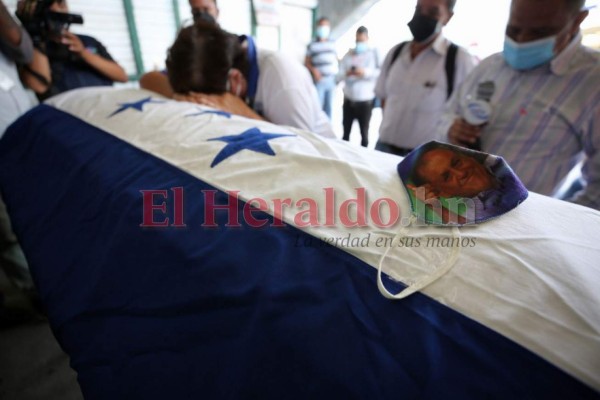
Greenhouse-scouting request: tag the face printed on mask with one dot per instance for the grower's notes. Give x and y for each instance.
(445, 181)
(450, 173)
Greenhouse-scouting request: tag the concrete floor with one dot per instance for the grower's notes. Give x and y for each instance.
(32, 364)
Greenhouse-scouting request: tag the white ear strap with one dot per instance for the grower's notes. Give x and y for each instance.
(426, 280)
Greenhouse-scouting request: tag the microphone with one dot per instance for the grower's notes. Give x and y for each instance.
(478, 110)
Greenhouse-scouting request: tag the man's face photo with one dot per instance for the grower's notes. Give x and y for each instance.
(450, 173)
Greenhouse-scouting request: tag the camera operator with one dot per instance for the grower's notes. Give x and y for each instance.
(75, 61)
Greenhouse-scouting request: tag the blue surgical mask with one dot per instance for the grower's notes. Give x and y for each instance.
(323, 31)
(528, 55)
(361, 47)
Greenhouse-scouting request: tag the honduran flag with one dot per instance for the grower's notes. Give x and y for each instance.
(186, 253)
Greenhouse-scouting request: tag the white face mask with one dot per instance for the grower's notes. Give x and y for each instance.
(421, 282)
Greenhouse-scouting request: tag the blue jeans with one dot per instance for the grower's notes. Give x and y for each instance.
(326, 88)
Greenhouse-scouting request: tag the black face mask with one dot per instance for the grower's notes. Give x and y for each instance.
(423, 27)
(200, 15)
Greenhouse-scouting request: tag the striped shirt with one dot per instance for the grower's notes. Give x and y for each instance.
(323, 57)
(543, 120)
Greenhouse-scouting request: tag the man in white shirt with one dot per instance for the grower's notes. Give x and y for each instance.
(359, 69)
(414, 81)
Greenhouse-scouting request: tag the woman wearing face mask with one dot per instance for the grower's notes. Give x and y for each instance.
(359, 70)
(209, 66)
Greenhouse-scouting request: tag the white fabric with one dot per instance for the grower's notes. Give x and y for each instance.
(14, 99)
(415, 92)
(532, 275)
(424, 280)
(286, 94)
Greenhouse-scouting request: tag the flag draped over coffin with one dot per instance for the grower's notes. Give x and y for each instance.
(282, 310)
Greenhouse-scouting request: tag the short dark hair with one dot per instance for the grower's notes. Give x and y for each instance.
(200, 59)
(214, 1)
(451, 4)
(361, 30)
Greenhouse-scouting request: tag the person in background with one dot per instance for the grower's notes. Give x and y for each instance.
(75, 61)
(417, 77)
(545, 113)
(205, 10)
(321, 60)
(15, 48)
(359, 69)
(202, 11)
(244, 81)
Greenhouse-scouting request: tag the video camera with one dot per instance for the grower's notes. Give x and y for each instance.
(41, 23)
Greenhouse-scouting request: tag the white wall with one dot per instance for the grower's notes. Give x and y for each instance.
(106, 21)
(296, 31)
(155, 21)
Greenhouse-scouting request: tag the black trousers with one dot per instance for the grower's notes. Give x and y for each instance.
(361, 111)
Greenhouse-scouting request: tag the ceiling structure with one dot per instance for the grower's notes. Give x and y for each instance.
(343, 13)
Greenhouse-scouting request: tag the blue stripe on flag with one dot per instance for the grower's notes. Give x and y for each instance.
(226, 313)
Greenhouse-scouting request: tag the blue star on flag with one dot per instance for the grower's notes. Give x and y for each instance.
(252, 139)
(137, 105)
(215, 112)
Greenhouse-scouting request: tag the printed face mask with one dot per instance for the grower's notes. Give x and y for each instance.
(423, 27)
(450, 185)
(524, 56)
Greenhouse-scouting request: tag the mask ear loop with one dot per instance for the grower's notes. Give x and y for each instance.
(422, 282)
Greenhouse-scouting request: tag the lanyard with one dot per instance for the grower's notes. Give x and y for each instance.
(253, 73)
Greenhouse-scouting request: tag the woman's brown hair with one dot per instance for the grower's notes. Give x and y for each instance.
(201, 57)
